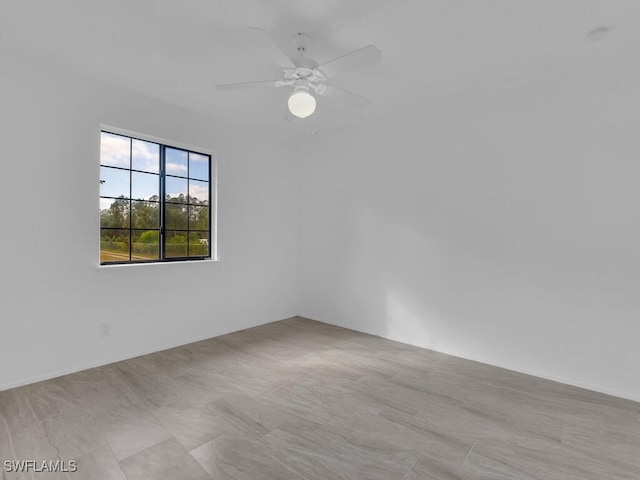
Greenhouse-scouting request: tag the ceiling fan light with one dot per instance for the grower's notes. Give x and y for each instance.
(302, 103)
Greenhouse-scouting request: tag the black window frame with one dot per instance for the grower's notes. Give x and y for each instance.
(162, 201)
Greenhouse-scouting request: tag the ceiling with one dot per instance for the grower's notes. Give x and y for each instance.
(177, 51)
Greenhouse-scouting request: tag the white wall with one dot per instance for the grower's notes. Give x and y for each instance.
(53, 294)
(502, 227)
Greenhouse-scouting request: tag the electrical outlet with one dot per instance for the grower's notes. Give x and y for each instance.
(104, 329)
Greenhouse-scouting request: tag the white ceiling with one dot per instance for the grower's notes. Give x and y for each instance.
(178, 50)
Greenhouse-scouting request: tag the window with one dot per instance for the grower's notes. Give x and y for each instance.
(155, 201)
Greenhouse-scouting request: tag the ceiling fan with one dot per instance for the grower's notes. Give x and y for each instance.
(304, 76)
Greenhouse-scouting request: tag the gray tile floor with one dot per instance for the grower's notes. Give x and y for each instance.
(299, 399)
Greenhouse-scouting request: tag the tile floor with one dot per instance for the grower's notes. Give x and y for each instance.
(298, 399)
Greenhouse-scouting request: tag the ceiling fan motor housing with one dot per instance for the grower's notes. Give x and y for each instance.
(304, 72)
(302, 84)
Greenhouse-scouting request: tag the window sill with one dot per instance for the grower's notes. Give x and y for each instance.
(147, 264)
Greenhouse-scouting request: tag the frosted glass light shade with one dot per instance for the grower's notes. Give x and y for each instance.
(302, 104)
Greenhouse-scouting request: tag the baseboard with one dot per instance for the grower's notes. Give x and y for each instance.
(541, 375)
(108, 361)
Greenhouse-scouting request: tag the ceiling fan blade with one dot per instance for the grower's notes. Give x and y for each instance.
(243, 85)
(346, 96)
(358, 58)
(260, 39)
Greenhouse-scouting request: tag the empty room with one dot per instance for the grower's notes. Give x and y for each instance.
(320, 240)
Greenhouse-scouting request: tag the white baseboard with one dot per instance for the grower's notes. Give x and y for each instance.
(545, 376)
(120, 358)
(107, 361)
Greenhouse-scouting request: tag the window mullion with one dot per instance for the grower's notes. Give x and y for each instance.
(162, 204)
(130, 202)
(188, 205)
